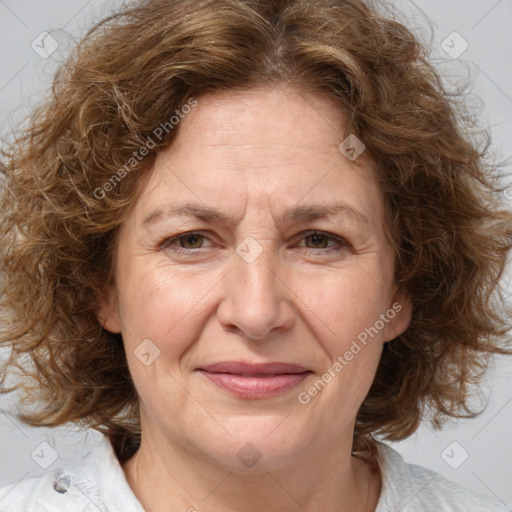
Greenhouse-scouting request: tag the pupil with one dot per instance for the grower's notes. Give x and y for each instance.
(192, 237)
(317, 239)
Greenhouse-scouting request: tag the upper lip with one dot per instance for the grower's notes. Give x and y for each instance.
(244, 368)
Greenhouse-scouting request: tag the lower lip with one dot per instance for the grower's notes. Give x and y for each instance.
(256, 387)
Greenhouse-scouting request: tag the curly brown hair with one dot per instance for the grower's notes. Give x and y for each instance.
(129, 74)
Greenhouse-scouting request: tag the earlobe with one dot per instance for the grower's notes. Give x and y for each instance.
(399, 313)
(107, 312)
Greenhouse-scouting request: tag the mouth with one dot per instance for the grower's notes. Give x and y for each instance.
(255, 380)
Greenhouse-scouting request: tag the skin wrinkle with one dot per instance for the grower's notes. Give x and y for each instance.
(297, 214)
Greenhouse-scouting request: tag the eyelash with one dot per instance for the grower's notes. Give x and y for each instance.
(342, 244)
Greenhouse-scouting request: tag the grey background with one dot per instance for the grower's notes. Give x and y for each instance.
(476, 453)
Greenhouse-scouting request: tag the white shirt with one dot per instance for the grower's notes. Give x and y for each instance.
(98, 483)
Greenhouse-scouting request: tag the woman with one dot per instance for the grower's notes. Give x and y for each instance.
(250, 236)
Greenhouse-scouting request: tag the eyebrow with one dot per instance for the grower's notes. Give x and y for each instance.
(296, 214)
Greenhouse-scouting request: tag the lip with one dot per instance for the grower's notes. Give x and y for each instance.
(255, 380)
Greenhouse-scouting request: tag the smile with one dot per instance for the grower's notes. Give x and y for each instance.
(255, 381)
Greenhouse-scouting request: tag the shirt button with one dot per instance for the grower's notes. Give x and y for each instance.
(62, 484)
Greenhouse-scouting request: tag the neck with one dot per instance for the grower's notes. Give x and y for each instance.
(321, 479)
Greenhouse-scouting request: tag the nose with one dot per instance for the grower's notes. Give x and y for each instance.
(257, 299)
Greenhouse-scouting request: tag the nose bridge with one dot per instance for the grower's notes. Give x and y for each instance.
(256, 268)
(255, 299)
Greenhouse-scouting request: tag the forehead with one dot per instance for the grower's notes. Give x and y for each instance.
(270, 116)
(274, 147)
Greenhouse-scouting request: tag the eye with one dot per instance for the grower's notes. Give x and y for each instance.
(318, 240)
(315, 241)
(194, 239)
(186, 242)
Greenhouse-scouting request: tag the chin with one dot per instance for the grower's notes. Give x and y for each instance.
(258, 444)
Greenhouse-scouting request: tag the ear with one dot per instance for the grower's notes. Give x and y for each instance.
(108, 310)
(399, 314)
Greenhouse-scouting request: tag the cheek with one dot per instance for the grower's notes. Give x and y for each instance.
(347, 315)
(156, 303)
(345, 303)
(158, 306)
(346, 308)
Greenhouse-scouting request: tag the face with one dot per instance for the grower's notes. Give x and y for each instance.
(255, 240)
